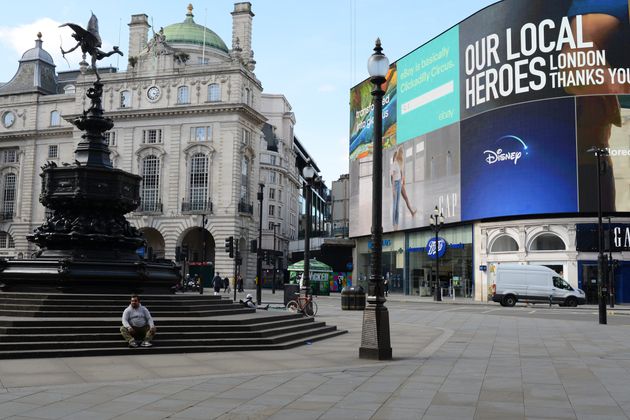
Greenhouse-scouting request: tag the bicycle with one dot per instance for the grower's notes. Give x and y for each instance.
(303, 304)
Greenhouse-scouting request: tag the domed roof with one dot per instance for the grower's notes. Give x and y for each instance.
(188, 32)
(38, 53)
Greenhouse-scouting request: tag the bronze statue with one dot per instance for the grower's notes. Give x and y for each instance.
(89, 40)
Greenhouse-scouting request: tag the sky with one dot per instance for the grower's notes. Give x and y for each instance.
(311, 52)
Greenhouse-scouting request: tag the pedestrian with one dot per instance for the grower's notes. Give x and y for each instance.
(226, 285)
(239, 283)
(137, 324)
(217, 284)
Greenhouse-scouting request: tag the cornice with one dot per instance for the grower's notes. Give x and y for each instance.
(183, 110)
(26, 134)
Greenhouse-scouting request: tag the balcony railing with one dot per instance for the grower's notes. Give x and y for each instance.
(150, 207)
(197, 207)
(244, 207)
(341, 231)
(6, 216)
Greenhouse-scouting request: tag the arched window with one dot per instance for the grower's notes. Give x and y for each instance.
(214, 92)
(182, 95)
(504, 243)
(55, 118)
(8, 196)
(125, 99)
(6, 240)
(547, 242)
(150, 189)
(198, 176)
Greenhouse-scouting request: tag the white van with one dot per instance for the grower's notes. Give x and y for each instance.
(533, 284)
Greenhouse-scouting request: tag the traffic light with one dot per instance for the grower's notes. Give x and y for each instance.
(229, 246)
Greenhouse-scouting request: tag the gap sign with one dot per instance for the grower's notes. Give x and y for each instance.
(431, 248)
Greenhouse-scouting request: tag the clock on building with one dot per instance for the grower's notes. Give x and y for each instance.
(153, 93)
(8, 119)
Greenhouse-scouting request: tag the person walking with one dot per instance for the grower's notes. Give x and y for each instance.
(217, 284)
(226, 285)
(137, 324)
(239, 283)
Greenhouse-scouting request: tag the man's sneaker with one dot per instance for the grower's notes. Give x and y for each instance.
(146, 344)
(133, 344)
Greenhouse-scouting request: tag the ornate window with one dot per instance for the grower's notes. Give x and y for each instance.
(547, 242)
(125, 99)
(8, 195)
(55, 118)
(202, 133)
(214, 92)
(198, 182)
(6, 240)
(272, 209)
(182, 95)
(110, 138)
(9, 156)
(150, 188)
(53, 151)
(504, 243)
(152, 136)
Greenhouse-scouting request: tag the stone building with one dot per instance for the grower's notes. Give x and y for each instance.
(190, 118)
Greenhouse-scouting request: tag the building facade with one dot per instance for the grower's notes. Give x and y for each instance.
(189, 117)
(495, 124)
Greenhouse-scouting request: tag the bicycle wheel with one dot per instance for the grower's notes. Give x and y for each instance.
(310, 309)
(292, 306)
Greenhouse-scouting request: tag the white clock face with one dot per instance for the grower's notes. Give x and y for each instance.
(153, 93)
(8, 119)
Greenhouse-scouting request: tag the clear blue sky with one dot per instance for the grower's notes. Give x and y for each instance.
(312, 52)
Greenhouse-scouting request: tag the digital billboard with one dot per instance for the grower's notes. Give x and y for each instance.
(496, 116)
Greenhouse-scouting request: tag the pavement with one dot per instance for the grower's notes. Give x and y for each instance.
(451, 361)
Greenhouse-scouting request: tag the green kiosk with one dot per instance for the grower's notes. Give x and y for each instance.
(319, 278)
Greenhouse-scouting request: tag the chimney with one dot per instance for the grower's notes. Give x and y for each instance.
(242, 29)
(138, 34)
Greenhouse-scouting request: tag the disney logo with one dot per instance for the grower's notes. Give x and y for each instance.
(500, 156)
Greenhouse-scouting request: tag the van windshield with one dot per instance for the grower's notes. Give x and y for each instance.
(561, 284)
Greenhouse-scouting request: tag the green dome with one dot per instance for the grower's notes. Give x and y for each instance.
(188, 32)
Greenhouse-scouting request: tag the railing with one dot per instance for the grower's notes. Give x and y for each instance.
(197, 206)
(150, 207)
(244, 207)
(6, 216)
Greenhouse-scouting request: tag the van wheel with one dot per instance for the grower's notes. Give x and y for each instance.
(509, 300)
(571, 302)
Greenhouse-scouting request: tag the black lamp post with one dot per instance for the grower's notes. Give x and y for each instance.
(275, 258)
(601, 258)
(375, 337)
(437, 220)
(259, 248)
(309, 175)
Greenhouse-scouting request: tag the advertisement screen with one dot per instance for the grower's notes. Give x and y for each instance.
(499, 116)
(428, 87)
(520, 160)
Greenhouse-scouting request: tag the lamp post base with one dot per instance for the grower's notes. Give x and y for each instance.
(375, 337)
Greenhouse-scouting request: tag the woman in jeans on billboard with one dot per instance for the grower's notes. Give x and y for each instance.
(397, 177)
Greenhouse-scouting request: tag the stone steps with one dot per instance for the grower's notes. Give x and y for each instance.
(62, 325)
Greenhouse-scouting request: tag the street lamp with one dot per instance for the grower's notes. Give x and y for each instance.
(275, 258)
(437, 220)
(309, 175)
(259, 249)
(375, 337)
(601, 258)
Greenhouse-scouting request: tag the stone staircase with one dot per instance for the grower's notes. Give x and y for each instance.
(67, 325)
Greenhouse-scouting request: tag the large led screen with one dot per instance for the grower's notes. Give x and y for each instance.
(550, 75)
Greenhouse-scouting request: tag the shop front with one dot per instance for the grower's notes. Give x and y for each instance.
(455, 253)
(409, 266)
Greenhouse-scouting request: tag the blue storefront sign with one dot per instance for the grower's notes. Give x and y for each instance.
(432, 249)
(386, 242)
